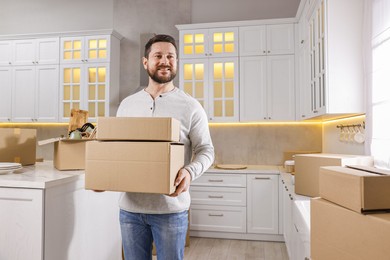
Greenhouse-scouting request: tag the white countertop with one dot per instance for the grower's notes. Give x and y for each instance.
(262, 169)
(42, 175)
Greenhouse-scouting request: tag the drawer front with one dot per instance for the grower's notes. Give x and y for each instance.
(218, 218)
(221, 180)
(218, 196)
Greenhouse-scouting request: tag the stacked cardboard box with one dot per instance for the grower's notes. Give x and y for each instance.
(18, 145)
(134, 155)
(340, 225)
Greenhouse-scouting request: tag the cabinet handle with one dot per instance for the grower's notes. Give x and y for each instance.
(33, 62)
(215, 197)
(283, 181)
(265, 118)
(307, 258)
(215, 215)
(263, 51)
(9, 63)
(86, 60)
(9, 119)
(36, 62)
(296, 228)
(269, 51)
(291, 198)
(269, 117)
(262, 178)
(303, 116)
(302, 41)
(315, 111)
(211, 180)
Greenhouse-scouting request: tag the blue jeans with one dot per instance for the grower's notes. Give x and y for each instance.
(168, 231)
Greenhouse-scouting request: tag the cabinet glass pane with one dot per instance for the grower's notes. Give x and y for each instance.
(76, 55)
(229, 108)
(229, 47)
(199, 71)
(101, 109)
(76, 105)
(76, 75)
(217, 37)
(218, 48)
(91, 92)
(217, 89)
(188, 71)
(101, 74)
(67, 73)
(217, 70)
(91, 75)
(66, 92)
(188, 88)
(199, 49)
(188, 39)
(92, 54)
(67, 55)
(91, 109)
(218, 108)
(66, 110)
(77, 45)
(229, 89)
(199, 90)
(67, 45)
(102, 44)
(188, 50)
(199, 38)
(229, 36)
(76, 92)
(92, 44)
(229, 70)
(102, 54)
(101, 92)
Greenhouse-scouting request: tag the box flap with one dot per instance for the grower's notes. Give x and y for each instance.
(370, 169)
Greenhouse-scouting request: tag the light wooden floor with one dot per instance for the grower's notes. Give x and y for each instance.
(227, 249)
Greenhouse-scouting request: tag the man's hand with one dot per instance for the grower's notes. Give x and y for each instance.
(182, 182)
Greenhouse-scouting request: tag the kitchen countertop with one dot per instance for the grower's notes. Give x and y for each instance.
(264, 169)
(42, 175)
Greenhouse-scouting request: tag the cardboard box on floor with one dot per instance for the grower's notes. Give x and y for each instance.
(138, 128)
(18, 145)
(149, 167)
(355, 189)
(307, 167)
(338, 233)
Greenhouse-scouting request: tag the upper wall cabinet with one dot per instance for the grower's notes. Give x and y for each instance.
(275, 39)
(6, 51)
(215, 42)
(36, 51)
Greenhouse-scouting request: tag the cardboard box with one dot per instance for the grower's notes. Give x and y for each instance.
(338, 233)
(69, 154)
(357, 190)
(18, 145)
(149, 167)
(289, 155)
(307, 168)
(138, 128)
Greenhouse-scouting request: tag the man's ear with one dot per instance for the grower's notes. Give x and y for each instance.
(144, 62)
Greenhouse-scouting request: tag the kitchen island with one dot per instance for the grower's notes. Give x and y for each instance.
(47, 214)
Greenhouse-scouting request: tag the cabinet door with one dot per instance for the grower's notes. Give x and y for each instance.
(6, 57)
(72, 50)
(23, 95)
(24, 52)
(21, 223)
(194, 79)
(194, 44)
(6, 93)
(263, 204)
(253, 40)
(280, 87)
(71, 94)
(223, 42)
(287, 222)
(97, 90)
(223, 87)
(280, 39)
(47, 86)
(253, 83)
(97, 48)
(47, 51)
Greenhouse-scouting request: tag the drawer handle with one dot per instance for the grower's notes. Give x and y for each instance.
(215, 197)
(262, 178)
(296, 228)
(211, 180)
(215, 215)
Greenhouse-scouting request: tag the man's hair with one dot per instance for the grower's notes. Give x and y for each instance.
(159, 38)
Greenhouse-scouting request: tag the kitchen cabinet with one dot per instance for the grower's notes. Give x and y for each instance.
(36, 51)
(6, 93)
(212, 42)
(6, 51)
(335, 58)
(35, 93)
(214, 83)
(263, 204)
(272, 39)
(89, 76)
(267, 88)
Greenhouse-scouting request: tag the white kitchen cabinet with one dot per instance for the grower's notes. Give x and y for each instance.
(36, 51)
(214, 83)
(6, 94)
(263, 204)
(272, 39)
(287, 220)
(213, 42)
(336, 58)
(6, 57)
(35, 93)
(267, 88)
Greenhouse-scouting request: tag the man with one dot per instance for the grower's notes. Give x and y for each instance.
(160, 218)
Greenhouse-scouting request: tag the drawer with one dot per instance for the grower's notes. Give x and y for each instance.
(218, 196)
(221, 180)
(218, 218)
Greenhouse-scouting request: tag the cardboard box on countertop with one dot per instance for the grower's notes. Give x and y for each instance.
(355, 189)
(339, 233)
(149, 167)
(138, 128)
(18, 145)
(307, 168)
(290, 155)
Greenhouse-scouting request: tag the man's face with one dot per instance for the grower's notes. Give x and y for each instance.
(161, 64)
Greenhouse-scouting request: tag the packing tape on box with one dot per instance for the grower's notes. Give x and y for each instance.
(17, 131)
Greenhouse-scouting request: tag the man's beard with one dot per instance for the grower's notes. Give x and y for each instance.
(161, 79)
